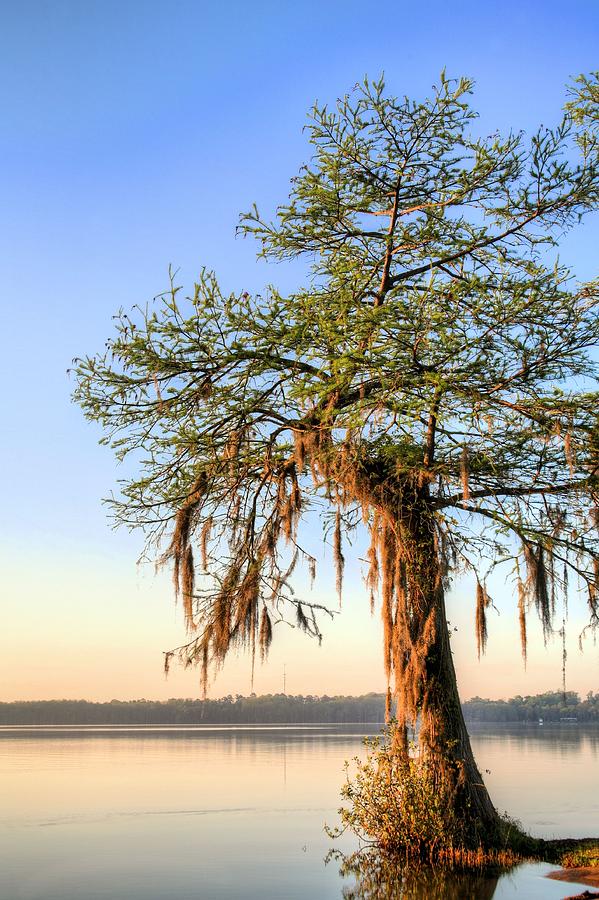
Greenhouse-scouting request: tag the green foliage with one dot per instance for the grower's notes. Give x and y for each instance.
(438, 340)
(582, 856)
(404, 807)
(399, 803)
(584, 107)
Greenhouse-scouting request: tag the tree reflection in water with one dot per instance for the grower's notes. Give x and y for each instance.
(377, 877)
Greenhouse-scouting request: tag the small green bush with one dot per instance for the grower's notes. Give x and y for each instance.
(400, 806)
(398, 803)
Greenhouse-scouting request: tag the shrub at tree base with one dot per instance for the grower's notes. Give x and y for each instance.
(403, 810)
(405, 807)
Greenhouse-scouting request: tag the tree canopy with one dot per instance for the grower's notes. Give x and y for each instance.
(438, 350)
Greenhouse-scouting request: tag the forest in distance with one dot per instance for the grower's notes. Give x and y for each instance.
(284, 709)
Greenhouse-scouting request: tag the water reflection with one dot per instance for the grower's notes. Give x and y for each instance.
(367, 876)
(563, 739)
(377, 878)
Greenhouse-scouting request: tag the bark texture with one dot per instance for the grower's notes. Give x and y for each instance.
(424, 673)
(444, 735)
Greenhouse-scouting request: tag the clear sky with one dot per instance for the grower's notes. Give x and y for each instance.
(131, 136)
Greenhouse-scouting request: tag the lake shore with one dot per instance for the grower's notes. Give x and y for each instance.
(588, 875)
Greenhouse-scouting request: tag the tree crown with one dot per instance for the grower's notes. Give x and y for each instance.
(438, 360)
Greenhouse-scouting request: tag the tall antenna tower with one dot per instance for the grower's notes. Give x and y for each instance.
(284, 678)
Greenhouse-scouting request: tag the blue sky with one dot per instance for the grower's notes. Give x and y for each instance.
(131, 136)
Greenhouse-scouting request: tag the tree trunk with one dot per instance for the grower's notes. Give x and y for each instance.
(425, 675)
(444, 736)
(408, 550)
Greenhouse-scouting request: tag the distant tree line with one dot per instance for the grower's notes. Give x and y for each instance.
(553, 706)
(238, 710)
(285, 710)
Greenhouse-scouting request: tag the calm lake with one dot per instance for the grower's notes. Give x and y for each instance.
(229, 812)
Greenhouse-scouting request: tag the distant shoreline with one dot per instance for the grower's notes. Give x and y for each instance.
(551, 708)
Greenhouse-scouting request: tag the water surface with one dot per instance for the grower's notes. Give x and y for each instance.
(226, 812)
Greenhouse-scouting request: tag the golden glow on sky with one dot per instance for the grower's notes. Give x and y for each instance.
(97, 632)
